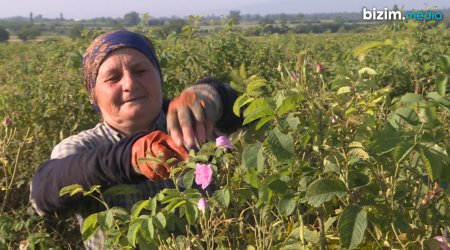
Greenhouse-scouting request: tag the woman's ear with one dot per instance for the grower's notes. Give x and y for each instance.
(94, 105)
(96, 109)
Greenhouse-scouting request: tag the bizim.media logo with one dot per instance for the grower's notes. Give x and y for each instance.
(386, 14)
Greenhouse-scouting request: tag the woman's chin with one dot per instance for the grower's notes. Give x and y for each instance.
(140, 116)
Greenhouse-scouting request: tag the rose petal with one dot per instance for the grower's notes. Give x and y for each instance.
(202, 204)
(223, 141)
(203, 175)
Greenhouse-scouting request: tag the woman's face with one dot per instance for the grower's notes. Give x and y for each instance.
(128, 91)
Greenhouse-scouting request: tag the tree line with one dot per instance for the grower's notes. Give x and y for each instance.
(28, 28)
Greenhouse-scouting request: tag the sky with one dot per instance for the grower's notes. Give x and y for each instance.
(86, 9)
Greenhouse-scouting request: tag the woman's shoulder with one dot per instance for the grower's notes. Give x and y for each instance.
(84, 140)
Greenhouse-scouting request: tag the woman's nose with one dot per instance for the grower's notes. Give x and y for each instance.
(129, 81)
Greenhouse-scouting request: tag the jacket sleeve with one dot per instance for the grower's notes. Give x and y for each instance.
(106, 165)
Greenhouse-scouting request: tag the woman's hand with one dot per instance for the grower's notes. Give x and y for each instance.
(191, 116)
(161, 146)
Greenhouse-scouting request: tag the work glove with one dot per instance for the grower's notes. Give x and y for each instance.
(191, 116)
(161, 146)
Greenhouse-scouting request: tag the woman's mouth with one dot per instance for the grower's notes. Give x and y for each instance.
(133, 99)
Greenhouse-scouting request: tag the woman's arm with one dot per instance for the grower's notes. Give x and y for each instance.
(106, 165)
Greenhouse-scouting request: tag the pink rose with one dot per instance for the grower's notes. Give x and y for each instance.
(7, 122)
(203, 175)
(223, 141)
(202, 205)
(319, 68)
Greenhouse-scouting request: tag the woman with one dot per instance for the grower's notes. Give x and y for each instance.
(123, 78)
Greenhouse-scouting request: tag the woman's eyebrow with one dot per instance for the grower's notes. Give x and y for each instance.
(140, 63)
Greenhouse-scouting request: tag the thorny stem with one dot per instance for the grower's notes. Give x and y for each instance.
(419, 191)
(4, 145)
(12, 180)
(322, 232)
(320, 141)
(396, 236)
(374, 238)
(13, 176)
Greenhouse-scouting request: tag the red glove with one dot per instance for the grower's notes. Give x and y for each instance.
(161, 146)
(191, 116)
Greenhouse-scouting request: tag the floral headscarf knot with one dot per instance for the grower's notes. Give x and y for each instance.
(108, 42)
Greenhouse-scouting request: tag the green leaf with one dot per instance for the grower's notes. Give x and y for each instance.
(133, 230)
(305, 139)
(240, 102)
(433, 244)
(408, 115)
(222, 197)
(292, 121)
(294, 246)
(395, 121)
(137, 208)
(281, 145)
(259, 108)
(329, 223)
(254, 84)
(147, 230)
(367, 70)
(71, 190)
(385, 141)
(192, 194)
(242, 71)
(289, 103)
(94, 188)
(435, 97)
(357, 179)
(323, 190)
(287, 206)
(151, 229)
(441, 84)
(251, 177)
(121, 189)
(152, 205)
(410, 98)
(444, 63)
(278, 186)
(350, 111)
(263, 122)
(236, 86)
(344, 90)
(352, 226)
(191, 213)
(339, 82)
(361, 51)
(175, 204)
(265, 194)
(90, 226)
(402, 151)
(159, 220)
(433, 162)
(359, 153)
(109, 218)
(188, 179)
(253, 157)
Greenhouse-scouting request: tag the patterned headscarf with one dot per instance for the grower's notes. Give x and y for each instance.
(108, 42)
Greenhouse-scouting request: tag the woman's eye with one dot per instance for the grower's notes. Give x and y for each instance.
(112, 78)
(141, 71)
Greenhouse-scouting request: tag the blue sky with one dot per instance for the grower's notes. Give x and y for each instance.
(83, 9)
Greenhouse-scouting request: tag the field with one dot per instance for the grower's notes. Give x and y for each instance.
(346, 142)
